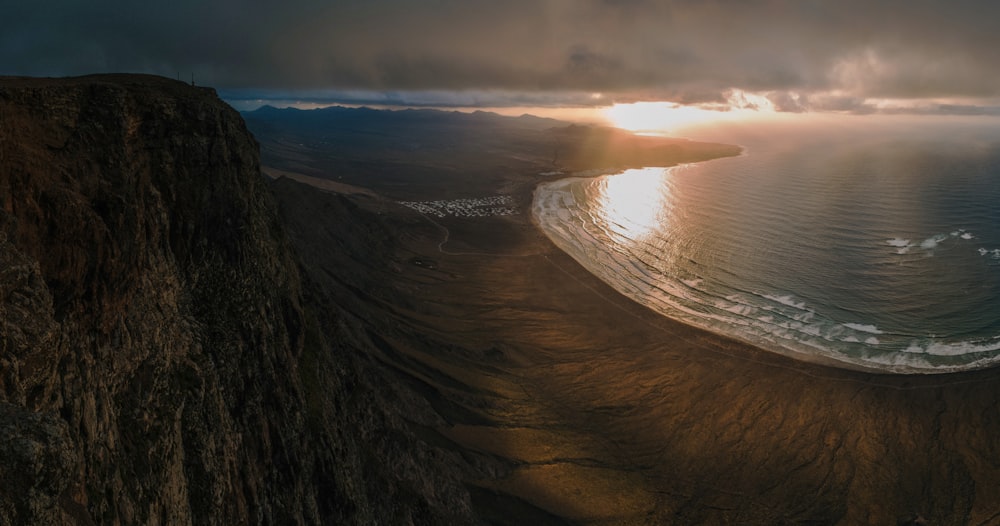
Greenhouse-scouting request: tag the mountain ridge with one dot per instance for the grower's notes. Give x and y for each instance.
(159, 364)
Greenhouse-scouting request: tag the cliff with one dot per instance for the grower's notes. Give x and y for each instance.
(159, 364)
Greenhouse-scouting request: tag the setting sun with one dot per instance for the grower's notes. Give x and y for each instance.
(657, 116)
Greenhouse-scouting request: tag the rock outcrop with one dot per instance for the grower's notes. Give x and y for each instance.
(157, 362)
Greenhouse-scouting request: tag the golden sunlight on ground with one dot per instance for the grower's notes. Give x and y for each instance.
(635, 202)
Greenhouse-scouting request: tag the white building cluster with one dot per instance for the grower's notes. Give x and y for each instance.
(495, 205)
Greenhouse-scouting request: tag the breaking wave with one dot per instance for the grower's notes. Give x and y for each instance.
(749, 248)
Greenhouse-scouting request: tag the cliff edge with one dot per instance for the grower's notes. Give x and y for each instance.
(153, 334)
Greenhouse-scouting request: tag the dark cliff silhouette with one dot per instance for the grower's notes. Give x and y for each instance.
(158, 363)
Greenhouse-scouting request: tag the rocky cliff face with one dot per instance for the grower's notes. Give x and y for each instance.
(157, 364)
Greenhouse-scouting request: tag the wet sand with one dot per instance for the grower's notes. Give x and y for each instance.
(599, 411)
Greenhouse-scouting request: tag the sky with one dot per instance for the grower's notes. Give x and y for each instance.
(841, 56)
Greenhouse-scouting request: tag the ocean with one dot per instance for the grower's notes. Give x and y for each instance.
(866, 242)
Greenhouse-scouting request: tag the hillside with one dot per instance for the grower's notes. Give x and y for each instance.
(159, 362)
(184, 341)
(425, 154)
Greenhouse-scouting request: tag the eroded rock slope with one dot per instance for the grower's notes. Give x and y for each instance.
(157, 363)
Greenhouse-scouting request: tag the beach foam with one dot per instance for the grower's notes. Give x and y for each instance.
(933, 241)
(898, 242)
(952, 348)
(740, 275)
(786, 300)
(871, 329)
(902, 245)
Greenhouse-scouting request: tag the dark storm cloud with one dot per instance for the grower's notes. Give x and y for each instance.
(686, 51)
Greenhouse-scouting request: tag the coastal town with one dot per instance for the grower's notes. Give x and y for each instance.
(495, 205)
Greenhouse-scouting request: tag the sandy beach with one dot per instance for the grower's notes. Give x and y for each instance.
(271, 263)
(555, 399)
(600, 411)
(378, 333)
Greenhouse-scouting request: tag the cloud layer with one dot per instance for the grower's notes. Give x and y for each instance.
(807, 54)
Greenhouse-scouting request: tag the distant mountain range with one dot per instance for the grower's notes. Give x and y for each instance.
(394, 151)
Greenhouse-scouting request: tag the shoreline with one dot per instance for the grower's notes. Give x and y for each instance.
(810, 352)
(606, 412)
(571, 403)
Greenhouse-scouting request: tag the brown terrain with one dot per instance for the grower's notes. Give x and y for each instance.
(184, 343)
(611, 414)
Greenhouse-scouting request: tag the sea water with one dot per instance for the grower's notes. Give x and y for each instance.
(871, 246)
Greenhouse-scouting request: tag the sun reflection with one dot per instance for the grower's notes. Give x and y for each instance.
(634, 202)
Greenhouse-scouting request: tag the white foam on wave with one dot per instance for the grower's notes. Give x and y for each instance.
(962, 234)
(932, 242)
(813, 330)
(909, 362)
(952, 349)
(871, 329)
(900, 362)
(898, 242)
(786, 300)
(779, 321)
(902, 245)
(734, 305)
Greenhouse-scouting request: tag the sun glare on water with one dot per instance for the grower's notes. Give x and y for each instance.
(634, 202)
